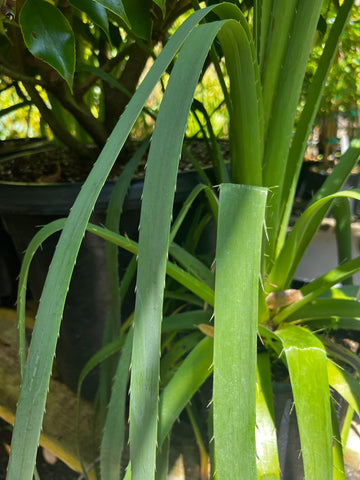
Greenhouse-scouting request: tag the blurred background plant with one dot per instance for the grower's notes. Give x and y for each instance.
(338, 119)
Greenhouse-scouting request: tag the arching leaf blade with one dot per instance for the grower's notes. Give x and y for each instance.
(155, 221)
(307, 365)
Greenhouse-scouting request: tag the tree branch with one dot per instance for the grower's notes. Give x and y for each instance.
(81, 113)
(59, 131)
(21, 77)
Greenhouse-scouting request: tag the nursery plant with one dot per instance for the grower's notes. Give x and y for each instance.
(250, 314)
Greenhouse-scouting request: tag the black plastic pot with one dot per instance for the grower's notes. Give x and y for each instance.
(9, 269)
(23, 209)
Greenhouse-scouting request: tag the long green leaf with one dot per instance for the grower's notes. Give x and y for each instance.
(266, 443)
(307, 364)
(262, 21)
(342, 214)
(113, 322)
(186, 321)
(275, 46)
(98, 358)
(246, 114)
(300, 237)
(189, 377)
(338, 454)
(38, 366)
(340, 313)
(345, 384)
(178, 349)
(112, 222)
(112, 442)
(239, 247)
(156, 213)
(341, 354)
(341, 171)
(187, 205)
(184, 278)
(192, 264)
(298, 45)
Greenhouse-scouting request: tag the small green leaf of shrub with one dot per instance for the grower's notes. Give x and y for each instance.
(138, 14)
(49, 37)
(94, 11)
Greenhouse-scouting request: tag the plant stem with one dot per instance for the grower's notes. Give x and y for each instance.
(20, 77)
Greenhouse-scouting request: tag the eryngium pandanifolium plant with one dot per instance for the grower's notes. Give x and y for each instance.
(255, 261)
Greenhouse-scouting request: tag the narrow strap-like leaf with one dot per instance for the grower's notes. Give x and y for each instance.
(262, 22)
(187, 205)
(341, 171)
(338, 311)
(112, 442)
(300, 237)
(192, 264)
(279, 29)
(239, 247)
(338, 453)
(266, 443)
(246, 113)
(156, 213)
(112, 222)
(345, 384)
(307, 365)
(189, 377)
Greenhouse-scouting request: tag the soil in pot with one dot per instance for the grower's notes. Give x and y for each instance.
(21, 162)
